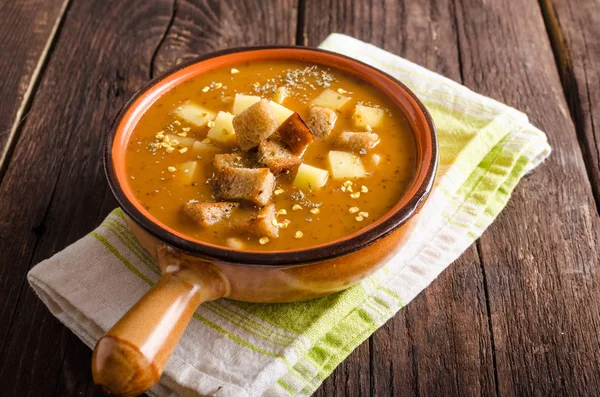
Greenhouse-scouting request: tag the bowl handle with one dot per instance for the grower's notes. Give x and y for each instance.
(131, 356)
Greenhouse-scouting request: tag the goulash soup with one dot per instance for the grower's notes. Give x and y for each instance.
(271, 156)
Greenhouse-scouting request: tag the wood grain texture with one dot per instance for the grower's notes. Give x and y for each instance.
(440, 344)
(540, 256)
(533, 310)
(27, 32)
(54, 187)
(574, 29)
(203, 26)
(55, 178)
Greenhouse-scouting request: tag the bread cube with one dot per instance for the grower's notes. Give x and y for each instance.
(194, 114)
(250, 184)
(358, 142)
(254, 125)
(310, 177)
(208, 214)
(222, 131)
(261, 223)
(243, 102)
(321, 121)
(277, 157)
(367, 116)
(294, 134)
(344, 165)
(234, 160)
(331, 99)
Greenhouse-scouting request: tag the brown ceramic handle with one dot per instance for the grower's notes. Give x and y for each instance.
(130, 358)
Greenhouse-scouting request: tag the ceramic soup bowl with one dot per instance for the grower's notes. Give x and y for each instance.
(130, 358)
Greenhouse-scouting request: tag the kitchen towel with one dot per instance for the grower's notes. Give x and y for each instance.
(243, 349)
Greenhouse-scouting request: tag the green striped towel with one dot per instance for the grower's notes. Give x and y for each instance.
(244, 349)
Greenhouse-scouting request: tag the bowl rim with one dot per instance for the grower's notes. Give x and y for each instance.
(361, 239)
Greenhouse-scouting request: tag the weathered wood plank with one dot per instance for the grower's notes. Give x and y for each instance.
(27, 32)
(540, 256)
(54, 186)
(351, 378)
(75, 378)
(196, 27)
(440, 343)
(574, 28)
(202, 26)
(65, 194)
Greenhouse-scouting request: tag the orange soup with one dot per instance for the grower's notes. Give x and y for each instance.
(271, 156)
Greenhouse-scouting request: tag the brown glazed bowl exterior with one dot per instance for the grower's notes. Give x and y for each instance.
(131, 356)
(384, 228)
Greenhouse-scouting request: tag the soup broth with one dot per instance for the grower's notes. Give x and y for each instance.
(283, 192)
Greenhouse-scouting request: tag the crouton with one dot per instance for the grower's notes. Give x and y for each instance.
(254, 125)
(207, 214)
(277, 157)
(260, 223)
(295, 134)
(234, 160)
(358, 142)
(321, 121)
(251, 184)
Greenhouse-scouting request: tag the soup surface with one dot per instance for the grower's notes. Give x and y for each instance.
(359, 162)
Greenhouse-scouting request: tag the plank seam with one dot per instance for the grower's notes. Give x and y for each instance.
(415, 364)
(570, 88)
(595, 187)
(300, 22)
(62, 362)
(478, 243)
(90, 385)
(392, 383)
(459, 52)
(47, 50)
(20, 294)
(162, 40)
(371, 366)
(489, 315)
(41, 227)
(32, 87)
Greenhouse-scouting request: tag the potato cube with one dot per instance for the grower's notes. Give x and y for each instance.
(344, 165)
(201, 147)
(280, 94)
(243, 102)
(235, 243)
(186, 172)
(194, 114)
(183, 140)
(310, 177)
(331, 99)
(222, 131)
(375, 159)
(367, 116)
(281, 112)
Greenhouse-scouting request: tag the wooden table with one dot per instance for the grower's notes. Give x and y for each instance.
(518, 313)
